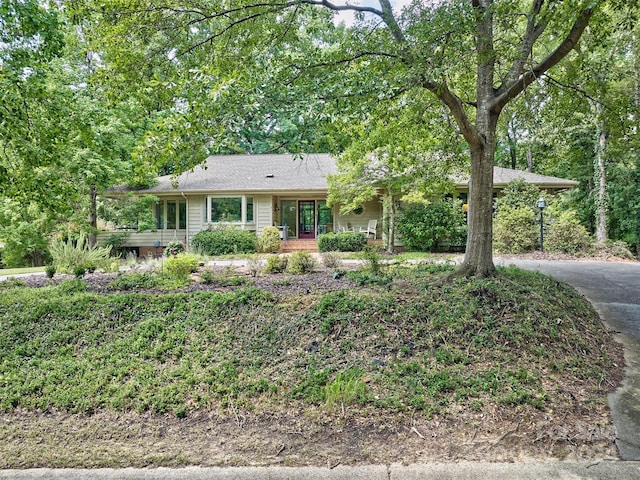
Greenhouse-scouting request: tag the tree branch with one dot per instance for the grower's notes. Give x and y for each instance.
(456, 107)
(509, 92)
(532, 33)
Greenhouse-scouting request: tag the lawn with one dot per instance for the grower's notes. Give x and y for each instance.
(405, 345)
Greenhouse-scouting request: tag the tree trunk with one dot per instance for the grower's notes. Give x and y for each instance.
(389, 214)
(93, 217)
(478, 259)
(600, 177)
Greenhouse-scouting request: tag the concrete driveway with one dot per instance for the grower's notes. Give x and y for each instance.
(614, 290)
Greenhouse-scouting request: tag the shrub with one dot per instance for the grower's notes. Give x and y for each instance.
(567, 235)
(342, 242)
(331, 259)
(301, 262)
(514, 230)
(182, 265)
(426, 227)
(254, 264)
(269, 241)
(372, 258)
(276, 264)
(224, 241)
(71, 254)
(50, 271)
(175, 247)
(616, 248)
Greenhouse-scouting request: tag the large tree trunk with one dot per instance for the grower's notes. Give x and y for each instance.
(478, 259)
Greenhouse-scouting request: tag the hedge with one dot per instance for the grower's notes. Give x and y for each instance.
(342, 242)
(224, 241)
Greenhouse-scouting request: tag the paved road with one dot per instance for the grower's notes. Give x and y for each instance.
(614, 290)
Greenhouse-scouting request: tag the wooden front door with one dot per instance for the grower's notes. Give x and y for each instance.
(307, 219)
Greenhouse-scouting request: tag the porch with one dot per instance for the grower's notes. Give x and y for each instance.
(311, 245)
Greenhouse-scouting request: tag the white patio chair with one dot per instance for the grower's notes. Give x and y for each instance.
(371, 228)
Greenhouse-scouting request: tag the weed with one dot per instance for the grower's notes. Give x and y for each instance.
(254, 264)
(347, 388)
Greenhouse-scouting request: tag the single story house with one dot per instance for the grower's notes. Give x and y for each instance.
(256, 191)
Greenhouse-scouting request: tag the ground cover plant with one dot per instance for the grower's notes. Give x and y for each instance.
(295, 365)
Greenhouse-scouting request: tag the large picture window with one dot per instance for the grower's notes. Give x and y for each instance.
(231, 210)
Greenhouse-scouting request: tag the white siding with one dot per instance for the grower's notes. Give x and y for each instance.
(195, 215)
(263, 206)
(372, 211)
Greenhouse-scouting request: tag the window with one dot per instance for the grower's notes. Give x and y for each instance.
(225, 209)
(249, 209)
(230, 210)
(171, 215)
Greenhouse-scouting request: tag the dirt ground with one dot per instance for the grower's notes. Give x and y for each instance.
(296, 434)
(308, 436)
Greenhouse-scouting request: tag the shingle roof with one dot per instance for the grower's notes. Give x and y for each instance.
(307, 172)
(242, 173)
(502, 176)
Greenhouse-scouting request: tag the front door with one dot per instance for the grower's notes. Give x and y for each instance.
(307, 219)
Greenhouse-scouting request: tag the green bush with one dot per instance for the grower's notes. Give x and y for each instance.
(69, 255)
(514, 230)
(331, 259)
(567, 235)
(425, 227)
(301, 262)
(182, 265)
(224, 241)
(342, 242)
(269, 241)
(276, 264)
(50, 271)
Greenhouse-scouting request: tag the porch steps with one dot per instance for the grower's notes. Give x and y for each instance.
(299, 245)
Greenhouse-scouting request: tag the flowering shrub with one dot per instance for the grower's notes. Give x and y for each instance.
(174, 248)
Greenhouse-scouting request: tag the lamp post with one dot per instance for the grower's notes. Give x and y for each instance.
(542, 203)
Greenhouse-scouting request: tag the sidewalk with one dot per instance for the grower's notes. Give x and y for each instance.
(434, 471)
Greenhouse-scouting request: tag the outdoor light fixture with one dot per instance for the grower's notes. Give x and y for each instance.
(542, 203)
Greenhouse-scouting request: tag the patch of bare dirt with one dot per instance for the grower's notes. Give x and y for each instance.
(296, 438)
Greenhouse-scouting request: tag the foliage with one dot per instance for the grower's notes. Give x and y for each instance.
(514, 230)
(331, 259)
(520, 194)
(181, 265)
(301, 263)
(72, 253)
(276, 264)
(224, 241)
(23, 230)
(429, 347)
(50, 271)
(346, 388)
(372, 258)
(269, 241)
(147, 280)
(425, 227)
(565, 234)
(174, 247)
(342, 242)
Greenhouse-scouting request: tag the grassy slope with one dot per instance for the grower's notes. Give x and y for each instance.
(416, 344)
